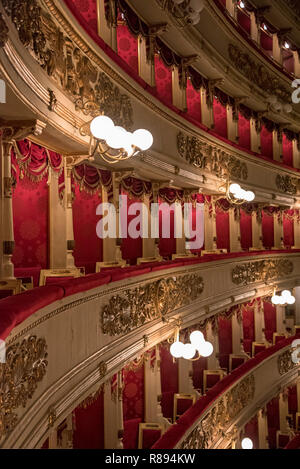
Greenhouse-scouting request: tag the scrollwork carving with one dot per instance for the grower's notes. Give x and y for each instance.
(286, 184)
(3, 31)
(285, 362)
(133, 308)
(25, 367)
(261, 271)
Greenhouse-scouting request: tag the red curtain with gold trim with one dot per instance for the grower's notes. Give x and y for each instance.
(220, 118)
(268, 230)
(266, 142)
(131, 248)
(246, 229)
(193, 102)
(248, 328)
(287, 150)
(244, 132)
(270, 320)
(169, 380)
(251, 431)
(88, 424)
(288, 228)
(223, 230)
(163, 79)
(273, 421)
(225, 341)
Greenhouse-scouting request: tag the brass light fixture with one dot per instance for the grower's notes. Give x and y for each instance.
(193, 351)
(236, 195)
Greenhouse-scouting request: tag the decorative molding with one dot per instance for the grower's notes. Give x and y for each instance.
(102, 370)
(90, 89)
(221, 415)
(204, 155)
(25, 367)
(257, 73)
(261, 271)
(287, 184)
(3, 31)
(133, 308)
(285, 363)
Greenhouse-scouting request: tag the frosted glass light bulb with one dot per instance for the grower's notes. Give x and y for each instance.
(206, 349)
(189, 351)
(176, 349)
(196, 338)
(247, 443)
(101, 127)
(142, 139)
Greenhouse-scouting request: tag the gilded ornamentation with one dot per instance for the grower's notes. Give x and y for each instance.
(206, 156)
(25, 367)
(102, 369)
(285, 362)
(261, 271)
(3, 31)
(133, 308)
(221, 415)
(90, 89)
(286, 184)
(257, 73)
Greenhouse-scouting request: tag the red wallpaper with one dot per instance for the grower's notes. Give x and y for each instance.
(246, 230)
(30, 212)
(163, 78)
(193, 102)
(132, 248)
(287, 151)
(225, 341)
(270, 320)
(248, 328)
(268, 230)
(220, 118)
(244, 133)
(223, 232)
(89, 425)
(88, 10)
(133, 394)
(128, 47)
(266, 142)
(288, 231)
(88, 247)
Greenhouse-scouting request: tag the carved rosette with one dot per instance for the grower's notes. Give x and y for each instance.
(286, 184)
(25, 367)
(285, 362)
(145, 303)
(203, 155)
(261, 271)
(221, 416)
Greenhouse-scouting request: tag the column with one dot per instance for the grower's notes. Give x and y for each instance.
(255, 28)
(258, 322)
(207, 114)
(280, 318)
(296, 152)
(210, 229)
(59, 254)
(70, 262)
(148, 242)
(117, 178)
(151, 390)
(296, 63)
(212, 336)
(255, 129)
(146, 61)
(257, 238)
(179, 84)
(160, 417)
(120, 418)
(237, 334)
(297, 230)
(262, 429)
(277, 145)
(283, 410)
(235, 229)
(107, 22)
(111, 413)
(179, 229)
(277, 49)
(297, 306)
(185, 373)
(232, 124)
(278, 230)
(53, 439)
(231, 7)
(109, 244)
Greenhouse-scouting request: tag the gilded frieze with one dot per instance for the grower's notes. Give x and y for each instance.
(204, 155)
(261, 271)
(286, 184)
(133, 308)
(285, 362)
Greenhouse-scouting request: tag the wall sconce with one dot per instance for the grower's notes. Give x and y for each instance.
(286, 298)
(236, 195)
(193, 351)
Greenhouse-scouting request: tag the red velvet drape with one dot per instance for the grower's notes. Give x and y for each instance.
(287, 150)
(132, 248)
(266, 142)
(169, 380)
(128, 47)
(273, 421)
(88, 247)
(246, 229)
(220, 118)
(268, 230)
(248, 328)
(89, 425)
(163, 79)
(30, 214)
(251, 431)
(288, 229)
(244, 132)
(193, 102)
(223, 231)
(225, 341)
(270, 320)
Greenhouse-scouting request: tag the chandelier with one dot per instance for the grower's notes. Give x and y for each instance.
(113, 143)
(286, 298)
(238, 196)
(193, 351)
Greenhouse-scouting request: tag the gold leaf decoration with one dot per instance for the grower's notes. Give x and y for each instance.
(133, 308)
(286, 184)
(285, 362)
(261, 271)
(3, 31)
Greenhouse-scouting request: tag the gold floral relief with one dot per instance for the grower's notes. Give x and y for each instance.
(287, 184)
(261, 271)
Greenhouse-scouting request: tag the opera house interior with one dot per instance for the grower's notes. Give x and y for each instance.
(149, 224)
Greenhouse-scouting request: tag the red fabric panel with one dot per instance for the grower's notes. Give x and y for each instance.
(244, 132)
(169, 381)
(266, 41)
(33, 272)
(258, 348)
(266, 142)
(150, 437)
(167, 246)
(287, 151)
(244, 20)
(268, 230)
(246, 230)
(131, 248)
(30, 213)
(251, 431)
(288, 232)
(88, 10)
(273, 421)
(15, 309)
(293, 401)
(236, 362)
(223, 231)
(88, 247)
(131, 433)
(163, 79)
(133, 394)
(270, 320)
(89, 425)
(128, 47)
(294, 443)
(193, 102)
(225, 341)
(248, 328)
(220, 119)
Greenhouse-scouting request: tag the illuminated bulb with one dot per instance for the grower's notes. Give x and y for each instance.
(189, 351)
(142, 139)
(234, 188)
(206, 349)
(176, 349)
(282, 300)
(101, 127)
(265, 27)
(250, 196)
(196, 338)
(286, 45)
(242, 4)
(247, 443)
(275, 299)
(114, 139)
(197, 5)
(241, 194)
(291, 300)
(286, 294)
